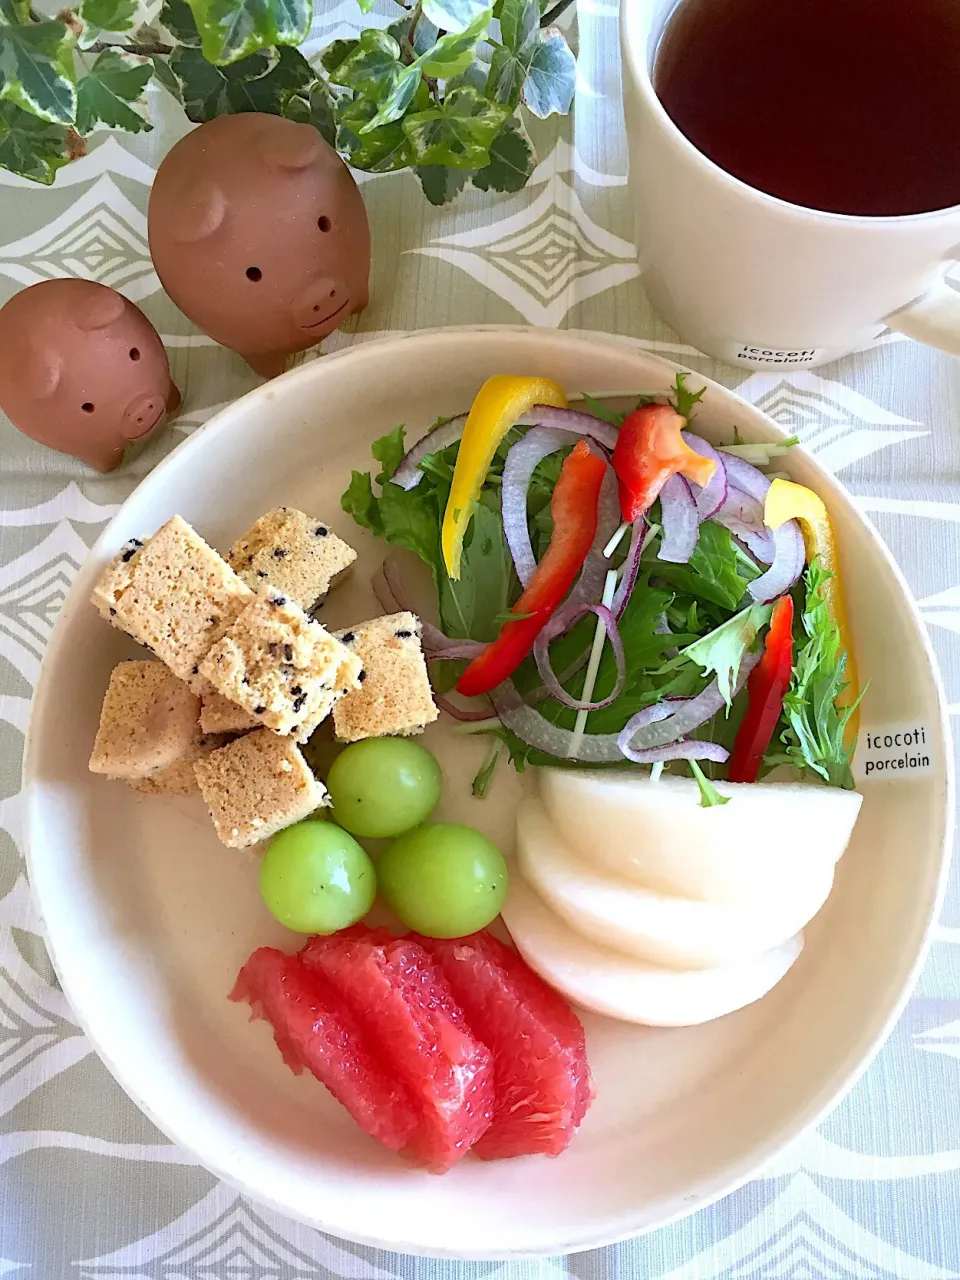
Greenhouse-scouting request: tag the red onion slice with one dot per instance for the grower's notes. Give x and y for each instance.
(652, 728)
(788, 561)
(457, 651)
(713, 495)
(742, 515)
(521, 462)
(746, 477)
(681, 524)
(631, 567)
(686, 749)
(408, 475)
(583, 424)
(537, 732)
(464, 714)
(589, 586)
(658, 728)
(561, 622)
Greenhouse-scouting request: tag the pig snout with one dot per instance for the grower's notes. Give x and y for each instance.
(142, 415)
(320, 301)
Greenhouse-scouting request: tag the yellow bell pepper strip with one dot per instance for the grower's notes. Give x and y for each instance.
(649, 450)
(499, 403)
(788, 501)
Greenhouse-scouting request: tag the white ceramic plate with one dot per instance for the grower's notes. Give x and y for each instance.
(149, 918)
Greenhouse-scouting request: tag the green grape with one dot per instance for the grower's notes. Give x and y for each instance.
(315, 878)
(383, 786)
(444, 880)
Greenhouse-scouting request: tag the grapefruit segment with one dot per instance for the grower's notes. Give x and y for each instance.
(405, 1007)
(541, 1078)
(314, 1028)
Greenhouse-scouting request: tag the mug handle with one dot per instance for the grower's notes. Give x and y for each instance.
(933, 318)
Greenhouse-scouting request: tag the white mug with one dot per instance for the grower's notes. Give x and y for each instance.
(756, 281)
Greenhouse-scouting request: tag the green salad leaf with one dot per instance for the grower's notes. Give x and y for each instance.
(722, 651)
(813, 726)
(411, 519)
(717, 573)
(710, 797)
(684, 399)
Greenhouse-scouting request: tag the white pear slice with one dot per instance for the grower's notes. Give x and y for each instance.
(619, 986)
(663, 929)
(656, 834)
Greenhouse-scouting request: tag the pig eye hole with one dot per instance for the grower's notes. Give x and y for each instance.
(254, 274)
(323, 223)
(134, 353)
(87, 407)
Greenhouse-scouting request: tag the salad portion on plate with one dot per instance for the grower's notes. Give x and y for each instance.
(650, 624)
(617, 594)
(618, 590)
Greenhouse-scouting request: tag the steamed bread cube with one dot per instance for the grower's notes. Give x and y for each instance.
(173, 594)
(293, 552)
(279, 665)
(148, 720)
(394, 696)
(256, 786)
(179, 778)
(219, 715)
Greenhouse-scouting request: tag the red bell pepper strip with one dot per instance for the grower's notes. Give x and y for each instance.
(649, 450)
(573, 506)
(767, 683)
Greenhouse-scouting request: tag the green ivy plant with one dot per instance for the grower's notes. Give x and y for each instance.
(438, 91)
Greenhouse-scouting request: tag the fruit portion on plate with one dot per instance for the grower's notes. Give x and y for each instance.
(435, 1049)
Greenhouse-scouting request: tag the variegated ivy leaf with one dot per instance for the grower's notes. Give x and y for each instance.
(177, 17)
(382, 149)
(37, 72)
(208, 91)
(453, 15)
(371, 67)
(334, 54)
(451, 55)
(161, 69)
(99, 16)
(423, 31)
(552, 78)
(230, 31)
(512, 160)
(31, 147)
(14, 13)
(315, 107)
(397, 100)
(457, 134)
(290, 75)
(107, 94)
(440, 184)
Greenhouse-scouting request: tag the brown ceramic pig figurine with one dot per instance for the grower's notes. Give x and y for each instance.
(260, 236)
(82, 370)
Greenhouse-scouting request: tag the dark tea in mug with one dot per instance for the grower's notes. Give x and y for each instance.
(849, 106)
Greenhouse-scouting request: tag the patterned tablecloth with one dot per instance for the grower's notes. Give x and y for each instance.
(88, 1188)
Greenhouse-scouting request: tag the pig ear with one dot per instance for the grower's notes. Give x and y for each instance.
(295, 147)
(201, 212)
(39, 369)
(99, 309)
